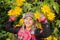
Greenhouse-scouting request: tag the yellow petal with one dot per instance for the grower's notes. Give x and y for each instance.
(37, 15)
(51, 16)
(8, 39)
(45, 8)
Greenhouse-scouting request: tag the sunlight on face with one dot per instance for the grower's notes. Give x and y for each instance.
(28, 21)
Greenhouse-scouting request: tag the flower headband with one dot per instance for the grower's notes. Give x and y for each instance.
(28, 14)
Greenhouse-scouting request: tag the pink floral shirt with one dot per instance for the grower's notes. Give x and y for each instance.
(25, 35)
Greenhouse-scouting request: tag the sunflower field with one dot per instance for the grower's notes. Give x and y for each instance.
(50, 8)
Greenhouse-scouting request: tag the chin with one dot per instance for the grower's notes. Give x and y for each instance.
(27, 26)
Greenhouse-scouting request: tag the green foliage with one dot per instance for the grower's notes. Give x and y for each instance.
(6, 5)
(58, 23)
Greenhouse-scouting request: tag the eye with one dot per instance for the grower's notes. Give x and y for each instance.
(30, 18)
(26, 18)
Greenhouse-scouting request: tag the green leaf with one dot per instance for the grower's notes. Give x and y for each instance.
(56, 31)
(52, 0)
(46, 1)
(56, 7)
(58, 23)
(7, 1)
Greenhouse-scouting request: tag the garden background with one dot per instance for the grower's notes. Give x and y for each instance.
(50, 8)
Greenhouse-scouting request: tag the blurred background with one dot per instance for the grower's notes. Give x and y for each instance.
(7, 8)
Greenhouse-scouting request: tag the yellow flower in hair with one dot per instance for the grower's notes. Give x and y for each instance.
(20, 2)
(45, 9)
(51, 16)
(37, 15)
(15, 12)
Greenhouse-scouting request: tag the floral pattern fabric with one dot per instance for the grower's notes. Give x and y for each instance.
(25, 35)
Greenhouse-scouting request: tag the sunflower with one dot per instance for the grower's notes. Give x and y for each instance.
(50, 38)
(18, 10)
(51, 16)
(45, 9)
(15, 12)
(7, 38)
(11, 12)
(20, 2)
(37, 15)
(21, 20)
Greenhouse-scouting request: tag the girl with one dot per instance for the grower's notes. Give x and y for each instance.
(29, 31)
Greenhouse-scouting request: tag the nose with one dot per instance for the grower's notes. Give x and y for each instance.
(28, 20)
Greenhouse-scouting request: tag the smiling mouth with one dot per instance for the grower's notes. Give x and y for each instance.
(27, 23)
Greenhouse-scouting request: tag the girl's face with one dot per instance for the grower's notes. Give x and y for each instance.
(28, 22)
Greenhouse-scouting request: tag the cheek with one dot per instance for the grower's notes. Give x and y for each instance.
(31, 22)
